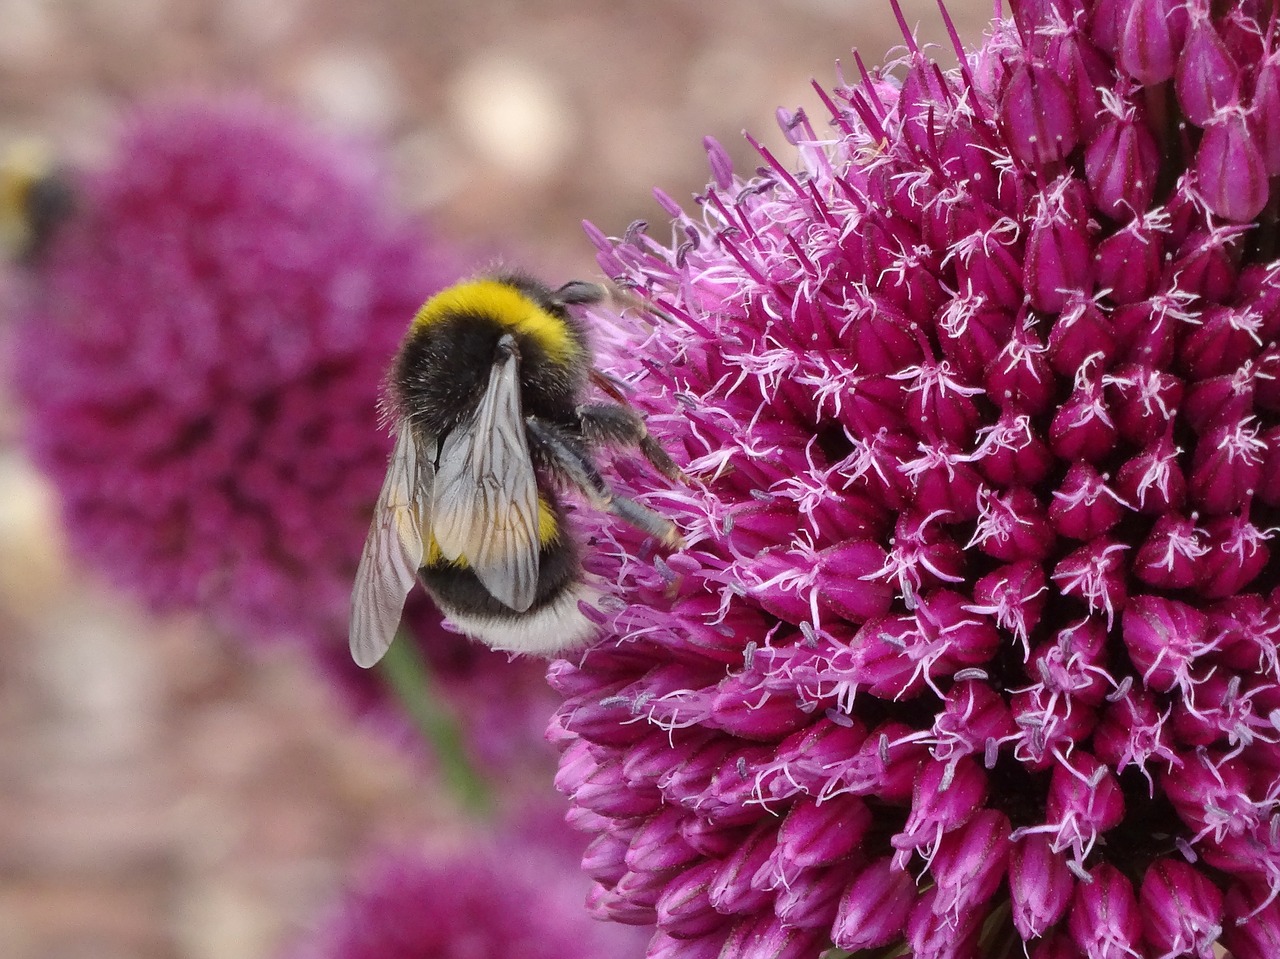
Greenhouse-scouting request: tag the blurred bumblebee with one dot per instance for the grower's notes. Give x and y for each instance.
(34, 198)
(486, 395)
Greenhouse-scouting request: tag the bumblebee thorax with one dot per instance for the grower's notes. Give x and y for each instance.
(449, 353)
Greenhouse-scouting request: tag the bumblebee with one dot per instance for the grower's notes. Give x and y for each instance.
(486, 396)
(35, 196)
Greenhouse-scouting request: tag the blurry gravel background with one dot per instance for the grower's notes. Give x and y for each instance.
(162, 794)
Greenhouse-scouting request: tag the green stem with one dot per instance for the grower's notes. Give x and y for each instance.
(409, 676)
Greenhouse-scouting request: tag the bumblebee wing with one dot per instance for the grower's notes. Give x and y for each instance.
(485, 504)
(392, 553)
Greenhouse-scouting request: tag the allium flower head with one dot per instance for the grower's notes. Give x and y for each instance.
(199, 355)
(472, 906)
(974, 648)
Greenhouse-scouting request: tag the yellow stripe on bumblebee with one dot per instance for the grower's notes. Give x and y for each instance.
(507, 305)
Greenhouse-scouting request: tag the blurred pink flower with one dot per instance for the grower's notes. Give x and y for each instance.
(974, 647)
(519, 899)
(200, 353)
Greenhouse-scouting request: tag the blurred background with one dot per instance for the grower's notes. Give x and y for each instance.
(167, 792)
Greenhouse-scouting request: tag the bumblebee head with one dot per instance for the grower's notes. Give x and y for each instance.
(517, 306)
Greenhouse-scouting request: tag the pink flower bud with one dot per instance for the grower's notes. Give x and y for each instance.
(972, 333)
(731, 891)
(603, 859)
(1225, 340)
(1084, 800)
(946, 796)
(882, 342)
(1146, 333)
(1104, 919)
(1169, 558)
(1084, 70)
(1206, 263)
(1073, 665)
(630, 902)
(810, 902)
(1133, 733)
(1129, 261)
(1230, 171)
(1164, 637)
(1211, 795)
(1083, 428)
(1226, 467)
(1143, 401)
(1107, 24)
(1084, 506)
(972, 715)
(1011, 453)
(657, 845)
(820, 833)
(991, 269)
(1094, 574)
(769, 936)
(690, 768)
(970, 863)
(1014, 596)
(684, 909)
(1248, 627)
(603, 791)
(665, 946)
(1182, 910)
(1251, 930)
(1040, 885)
(1081, 331)
(1151, 37)
(1237, 554)
(1207, 78)
(1039, 115)
(1012, 527)
(1216, 709)
(1122, 163)
(1218, 402)
(1058, 258)
(849, 581)
(1152, 482)
(1265, 112)
(933, 933)
(740, 707)
(873, 911)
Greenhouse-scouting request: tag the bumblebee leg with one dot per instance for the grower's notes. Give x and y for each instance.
(611, 423)
(564, 456)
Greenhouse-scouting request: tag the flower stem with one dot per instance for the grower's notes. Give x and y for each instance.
(409, 676)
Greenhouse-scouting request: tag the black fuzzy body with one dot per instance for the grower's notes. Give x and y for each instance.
(442, 369)
(457, 589)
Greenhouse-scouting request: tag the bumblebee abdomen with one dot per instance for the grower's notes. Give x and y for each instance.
(457, 589)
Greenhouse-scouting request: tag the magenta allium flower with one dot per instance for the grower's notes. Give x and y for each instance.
(471, 905)
(974, 647)
(200, 352)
